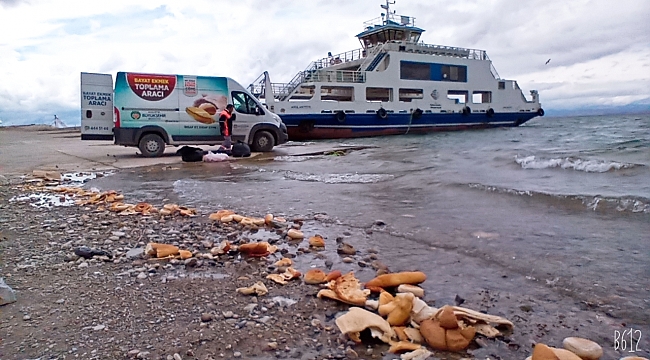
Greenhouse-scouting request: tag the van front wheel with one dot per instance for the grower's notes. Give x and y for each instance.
(263, 141)
(152, 145)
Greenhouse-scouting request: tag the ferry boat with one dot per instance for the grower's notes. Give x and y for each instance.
(395, 84)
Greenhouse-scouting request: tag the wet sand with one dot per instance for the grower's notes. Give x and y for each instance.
(455, 261)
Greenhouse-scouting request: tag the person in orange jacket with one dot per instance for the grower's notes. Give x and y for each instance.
(225, 125)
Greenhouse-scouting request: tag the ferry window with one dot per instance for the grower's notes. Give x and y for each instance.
(304, 93)
(243, 103)
(454, 73)
(502, 85)
(481, 97)
(459, 96)
(409, 95)
(410, 70)
(337, 93)
(415, 71)
(379, 94)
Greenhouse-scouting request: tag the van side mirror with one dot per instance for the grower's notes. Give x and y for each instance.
(259, 111)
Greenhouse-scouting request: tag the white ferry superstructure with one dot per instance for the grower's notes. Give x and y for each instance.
(394, 85)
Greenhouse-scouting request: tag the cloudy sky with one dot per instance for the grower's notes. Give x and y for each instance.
(599, 49)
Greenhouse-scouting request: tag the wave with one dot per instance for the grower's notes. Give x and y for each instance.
(623, 204)
(338, 178)
(597, 166)
(290, 158)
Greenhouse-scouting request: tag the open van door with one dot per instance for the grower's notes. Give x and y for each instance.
(96, 106)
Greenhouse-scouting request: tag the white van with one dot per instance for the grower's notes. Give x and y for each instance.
(151, 110)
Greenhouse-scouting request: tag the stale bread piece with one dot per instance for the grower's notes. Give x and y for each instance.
(333, 275)
(396, 279)
(419, 354)
(257, 221)
(543, 352)
(433, 334)
(161, 250)
(474, 316)
(415, 290)
(442, 339)
(256, 289)
(315, 276)
(284, 262)
(219, 214)
(348, 289)
(402, 311)
(447, 318)
(283, 278)
(185, 254)
(564, 354)
(403, 346)
(254, 249)
(185, 211)
(399, 331)
(398, 310)
(199, 115)
(413, 335)
(295, 234)
(385, 298)
(357, 319)
(317, 241)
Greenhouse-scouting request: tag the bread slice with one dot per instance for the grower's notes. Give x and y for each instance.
(348, 289)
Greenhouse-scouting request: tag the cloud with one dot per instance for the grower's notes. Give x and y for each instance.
(7, 3)
(599, 52)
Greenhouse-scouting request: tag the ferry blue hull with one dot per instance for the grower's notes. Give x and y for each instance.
(326, 126)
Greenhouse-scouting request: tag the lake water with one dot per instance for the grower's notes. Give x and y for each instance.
(560, 204)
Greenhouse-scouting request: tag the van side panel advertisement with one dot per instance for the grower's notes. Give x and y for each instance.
(182, 105)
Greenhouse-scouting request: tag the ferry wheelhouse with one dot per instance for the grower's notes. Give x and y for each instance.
(396, 84)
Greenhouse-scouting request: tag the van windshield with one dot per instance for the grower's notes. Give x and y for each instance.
(243, 103)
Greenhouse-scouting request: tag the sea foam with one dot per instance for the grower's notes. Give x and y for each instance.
(595, 166)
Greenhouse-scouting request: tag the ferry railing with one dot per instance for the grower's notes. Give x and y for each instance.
(347, 56)
(345, 76)
(257, 87)
(341, 76)
(493, 70)
(400, 19)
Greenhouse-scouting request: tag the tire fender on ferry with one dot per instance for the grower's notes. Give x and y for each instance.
(490, 112)
(340, 116)
(417, 113)
(540, 112)
(382, 113)
(467, 111)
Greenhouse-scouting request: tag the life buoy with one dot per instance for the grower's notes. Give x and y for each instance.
(540, 112)
(417, 113)
(382, 113)
(467, 111)
(340, 116)
(490, 112)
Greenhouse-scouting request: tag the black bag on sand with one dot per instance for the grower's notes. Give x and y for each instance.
(190, 154)
(241, 149)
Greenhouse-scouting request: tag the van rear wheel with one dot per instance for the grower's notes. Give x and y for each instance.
(263, 141)
(152, 145)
